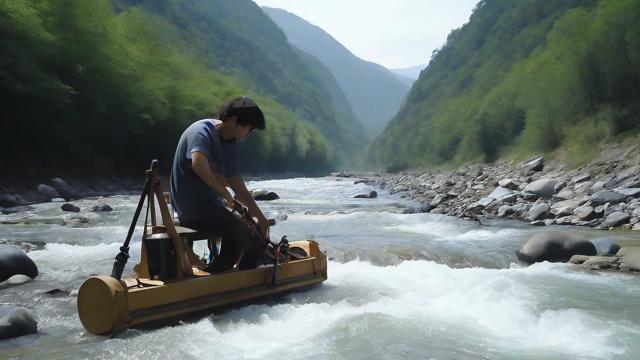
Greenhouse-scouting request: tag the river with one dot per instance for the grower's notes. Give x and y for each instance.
(411, 286)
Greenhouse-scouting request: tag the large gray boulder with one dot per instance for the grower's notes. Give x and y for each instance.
(536, 164)
(554, 246)
(606, 196)
(616, 219)
(14, 261)
(543, 188)
(67, 191)
(48, 191)
(15, 321)
(539, 211)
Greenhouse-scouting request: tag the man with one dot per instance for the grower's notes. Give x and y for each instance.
(203, 167)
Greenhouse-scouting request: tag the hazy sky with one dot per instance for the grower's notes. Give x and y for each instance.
(393, 33)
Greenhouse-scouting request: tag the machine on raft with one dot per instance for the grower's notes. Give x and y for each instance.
(171, 281)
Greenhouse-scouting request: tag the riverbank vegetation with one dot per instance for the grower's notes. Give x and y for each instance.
(103, 86)
(523, 77)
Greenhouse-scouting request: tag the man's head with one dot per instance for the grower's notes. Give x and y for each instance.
(244, 112)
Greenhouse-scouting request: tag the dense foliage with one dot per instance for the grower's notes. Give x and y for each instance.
(102, 86)
(520, 77)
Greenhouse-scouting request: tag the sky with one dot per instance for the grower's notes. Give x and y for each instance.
(392, 33)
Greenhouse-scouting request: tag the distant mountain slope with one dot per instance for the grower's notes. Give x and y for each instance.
(409, 74)
(521, 77)
(374, 93)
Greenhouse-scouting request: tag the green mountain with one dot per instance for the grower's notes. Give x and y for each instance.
(522, 77)
(94, 87)
(374, 93)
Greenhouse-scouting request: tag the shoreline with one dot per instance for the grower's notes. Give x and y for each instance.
(605, 194)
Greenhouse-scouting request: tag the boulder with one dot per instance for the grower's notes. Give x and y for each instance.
(70, 208)
(536, 164)
(371, 195)
(364, 181)
(67, 191)
(580, 178)
(632, 192)
(11, 200)
(15, 321)
(565, 194)
(102, 208)
(579, 259)
(602, 262)
(17, 209)
(505, 210)
(606, 196)
(585, 213)
(508, 184)
(629, 258)
(616, 219)
(499, 193)
(48, 191)
(605, 246)
(538, 211)
(554, 246)
(14, 261)
(437, 200)
(541, 188)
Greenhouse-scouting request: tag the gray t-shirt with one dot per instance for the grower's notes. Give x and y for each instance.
(190, 196)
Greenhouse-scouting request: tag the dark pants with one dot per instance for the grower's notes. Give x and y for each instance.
(239, 242)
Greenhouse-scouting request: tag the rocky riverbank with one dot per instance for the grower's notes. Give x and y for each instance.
(604, 194)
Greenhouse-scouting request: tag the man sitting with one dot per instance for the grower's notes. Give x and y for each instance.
(203, 166)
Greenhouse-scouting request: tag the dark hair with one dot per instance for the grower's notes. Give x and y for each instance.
(245, 110)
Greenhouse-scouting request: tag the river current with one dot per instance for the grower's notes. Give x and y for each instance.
(410, 286)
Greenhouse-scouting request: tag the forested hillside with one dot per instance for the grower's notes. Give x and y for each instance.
(522, 77)
(374, 93)
(102, 86)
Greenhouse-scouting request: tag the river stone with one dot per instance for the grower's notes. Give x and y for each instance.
(478, 187)
(15, 321)
(508, 184)
(636, 227)
(616, 219)
(17, 209)
(499, 193)
(102, 208)
(364, 181)
(629, 258)
(11, 200)
(636, 212)
(633, 192)
(580, 178)
(597, 186)
(606, 196)
(48, 191)
(371, 195)
(565, 194)
(67, 191)
(565, 220)
(579, 259)
(602, 262)
(605, 246)
(70, 208)
(14, 261)
(542, 188)
(554, 246)
(538, 211)
(505, 210)
(536, 164)
(437, 200)
(584, 212)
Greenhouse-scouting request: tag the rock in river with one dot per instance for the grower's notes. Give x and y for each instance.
(262, 194)
(371, 195)
(15, 321)
(70, 208)
(554, 246)
(14, 261)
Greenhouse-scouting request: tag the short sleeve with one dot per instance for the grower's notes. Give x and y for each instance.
(201, 142)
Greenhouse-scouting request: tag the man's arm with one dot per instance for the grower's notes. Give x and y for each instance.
(200, 165)
(238, 186)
